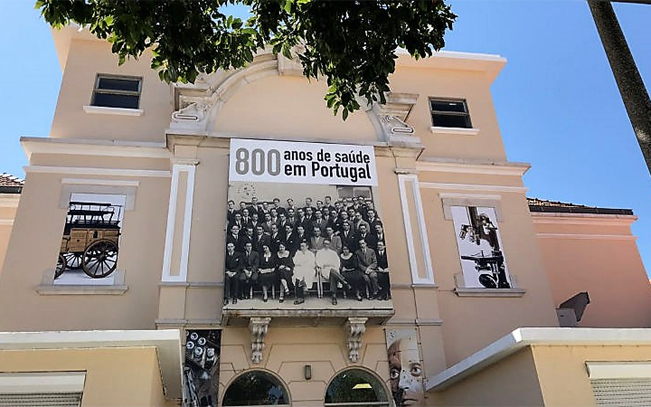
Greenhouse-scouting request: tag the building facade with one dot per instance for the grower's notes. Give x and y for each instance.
(152, 243)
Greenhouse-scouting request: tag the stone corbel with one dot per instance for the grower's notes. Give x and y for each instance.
(393, 126)
(193, 115)
(258, 328)
(355, 328)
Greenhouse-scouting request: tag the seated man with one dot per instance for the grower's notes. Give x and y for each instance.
(304, 271)
(327, 264)
(367, 263)
(383, 272)
(233, 269)
(249, 275)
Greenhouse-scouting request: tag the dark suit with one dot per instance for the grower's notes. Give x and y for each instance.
(237, 241)
(249, 275)
(261, 240)
(383, 275)
(367, 262)
(232, 264)
(348, 240)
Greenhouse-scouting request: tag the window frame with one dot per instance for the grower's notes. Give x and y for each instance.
(465, 114)
(97, 90)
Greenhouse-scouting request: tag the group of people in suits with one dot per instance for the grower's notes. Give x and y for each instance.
(290, 247)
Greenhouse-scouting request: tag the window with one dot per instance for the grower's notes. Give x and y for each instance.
(355, 387)
(117, 91)
(256, 388)
(450, 113)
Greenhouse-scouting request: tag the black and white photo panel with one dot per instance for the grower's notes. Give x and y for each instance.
(480, 247)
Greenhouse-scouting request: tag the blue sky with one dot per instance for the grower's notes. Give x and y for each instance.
(556, 100)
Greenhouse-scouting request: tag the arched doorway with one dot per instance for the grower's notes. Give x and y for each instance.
(352, 387)
(256, 388)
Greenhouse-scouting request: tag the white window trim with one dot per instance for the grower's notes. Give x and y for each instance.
(70, 186)
(618, 370)
(42, 382)
(450, 113)
(422, 229)
(189, 167)
(116, 111)
(457, 131)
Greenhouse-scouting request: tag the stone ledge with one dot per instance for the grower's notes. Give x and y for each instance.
(116, 111)
(81, 289)
(458, 131)
(490, 292)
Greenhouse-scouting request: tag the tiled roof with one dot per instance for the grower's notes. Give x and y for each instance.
(543, 205)
(10, 184)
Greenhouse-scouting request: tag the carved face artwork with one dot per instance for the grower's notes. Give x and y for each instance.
(405, 369)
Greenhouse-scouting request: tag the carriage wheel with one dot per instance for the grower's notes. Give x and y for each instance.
(61, 266)
(100, 258)
(73, 260)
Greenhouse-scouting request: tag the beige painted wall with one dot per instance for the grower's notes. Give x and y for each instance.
(597, 254)
(470, 323)
(510, 382)
(8, 205)
(562, 371)
(108, 383)
(288, 350)
(35, 245)
(85, 60)
(472, 86)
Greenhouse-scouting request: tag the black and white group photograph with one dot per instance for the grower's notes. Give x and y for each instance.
(305, 245)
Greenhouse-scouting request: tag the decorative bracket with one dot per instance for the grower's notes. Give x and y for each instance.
(393, 125)
(258, 328)
(355, 328)
(194, 114)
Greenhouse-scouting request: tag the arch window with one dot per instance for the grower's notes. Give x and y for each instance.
(256, 388)
(356, 387)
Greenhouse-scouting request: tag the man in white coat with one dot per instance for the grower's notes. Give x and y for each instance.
(304, 271)
(327, 265)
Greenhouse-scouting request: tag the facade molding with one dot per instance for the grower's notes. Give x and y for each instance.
(465, 166)
(105, 148)
(473, 187)
(586, 236)
(258, 328)
(102, 182)
(582, 219)
(113, 111)
(167, 276)
(355, 329)
(111, 172)
(454, 131)
(9, 200)
(422, 229)
(490, 292)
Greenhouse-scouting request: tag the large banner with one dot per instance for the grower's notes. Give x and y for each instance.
(301, 163)
(303, 229)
